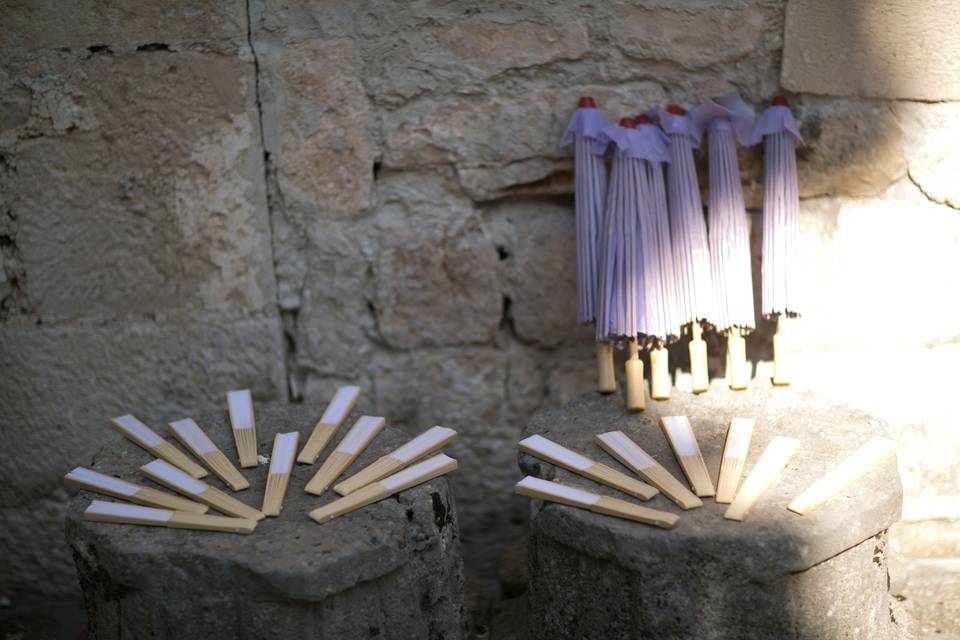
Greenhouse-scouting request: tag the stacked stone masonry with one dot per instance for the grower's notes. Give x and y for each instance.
(292, 196)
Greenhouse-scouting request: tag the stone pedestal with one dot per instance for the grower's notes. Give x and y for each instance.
(389, 570)
(777, 575)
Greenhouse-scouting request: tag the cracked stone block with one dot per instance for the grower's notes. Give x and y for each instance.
(390, 570)
(537, 243)
(889, 48)
(155, 157)
(777, 574)
(316, 121)
(930, 132)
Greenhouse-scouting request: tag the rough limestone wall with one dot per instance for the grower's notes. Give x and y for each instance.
(296, 195)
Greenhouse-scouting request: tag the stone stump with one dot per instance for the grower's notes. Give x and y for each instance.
(390, 570)
(776, 575)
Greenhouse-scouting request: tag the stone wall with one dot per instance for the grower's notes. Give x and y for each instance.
(296, 195)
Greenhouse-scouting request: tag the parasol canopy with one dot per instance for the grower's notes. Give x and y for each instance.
(688, 231)
(660, 317)
(727, 120)
(781, 209)
(590, 185)
(619, 312)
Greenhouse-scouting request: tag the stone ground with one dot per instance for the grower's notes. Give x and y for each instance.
(294, 195)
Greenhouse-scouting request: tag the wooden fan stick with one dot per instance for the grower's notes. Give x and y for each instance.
(537, 445)
(606, 378)
(144, 437)
(430, 441)
(698, 359)
(172, 478)
(634, 375)
(193, 438)
(556, 492)
(90, 480)
(861, 461)
(737, 366)
(660, 381)
(118, 513)
(281, 464)
(680, 435)
(336, 412)
(734, 457)
(352, 445)
(782, 345)
(774, 458)
(409, 477)
(621, 447)
(240, 405)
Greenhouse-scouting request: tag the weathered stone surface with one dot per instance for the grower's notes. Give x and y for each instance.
(391, 569)
(572, 369)
(852, 148)
(928, 587)
(120, 24)
(928, 539)
(167, 212)
(681, 33)
(62, 383)
(930, 132)
(888, 48)
(318, 133)
(929, 444)
(34, 561)
(410, 49)
(784, 569)
(852, 587)
(334, 322)
(464, 388)
(437, 286)
(498, 130)
(849, 281)
(537, 245)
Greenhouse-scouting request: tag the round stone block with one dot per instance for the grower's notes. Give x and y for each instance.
(389, 570)
(774, 575)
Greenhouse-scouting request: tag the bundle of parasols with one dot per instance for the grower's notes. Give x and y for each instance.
(650, 268)
(186, 507)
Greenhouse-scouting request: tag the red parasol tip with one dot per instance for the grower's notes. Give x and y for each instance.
(626, 122)
(642, 119)
(779, 101)
(676, 110)
(586, 102)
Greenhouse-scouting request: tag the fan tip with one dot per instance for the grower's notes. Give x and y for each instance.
(779, 101)
(586, 102)
(676, 110)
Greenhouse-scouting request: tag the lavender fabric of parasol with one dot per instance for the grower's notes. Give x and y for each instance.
(590, 174)
(781, 209)
(619, 313)
(688, 230)
(727, 120)
(660, 318)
